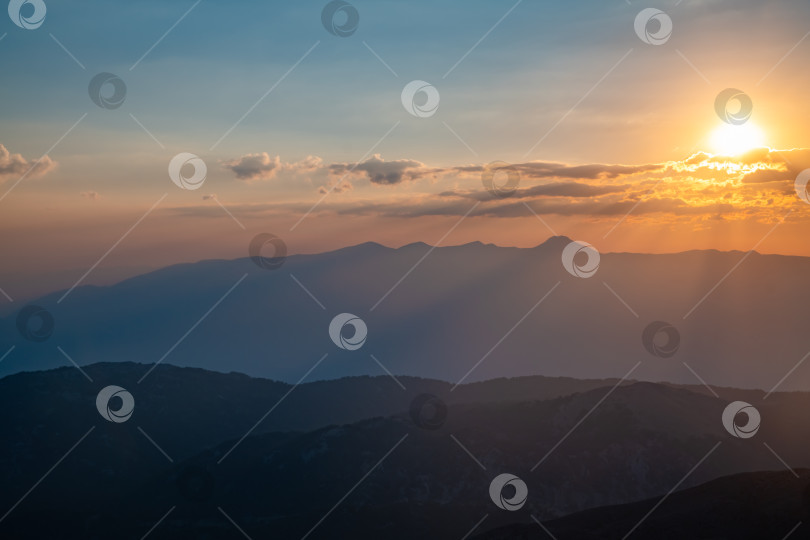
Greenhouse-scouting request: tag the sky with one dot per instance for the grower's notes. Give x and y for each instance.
(305, 134)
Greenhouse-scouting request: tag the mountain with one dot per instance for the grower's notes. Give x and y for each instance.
(186, 410)
(466, 312)
(348, 456)
(746, 506)
(212, 407)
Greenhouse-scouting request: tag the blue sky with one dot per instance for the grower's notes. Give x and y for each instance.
(218, 61)
(572, 74)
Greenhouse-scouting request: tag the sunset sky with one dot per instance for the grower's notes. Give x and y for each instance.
(616, 141)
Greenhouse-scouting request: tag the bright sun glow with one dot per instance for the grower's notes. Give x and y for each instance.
(731, 140)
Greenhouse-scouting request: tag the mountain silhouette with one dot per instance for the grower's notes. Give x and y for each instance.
(347, 457)
(746, 506)
(470, 312)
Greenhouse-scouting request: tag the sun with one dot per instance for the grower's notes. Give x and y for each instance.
(731, 140)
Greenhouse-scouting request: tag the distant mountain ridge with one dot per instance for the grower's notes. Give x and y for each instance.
(444, 313)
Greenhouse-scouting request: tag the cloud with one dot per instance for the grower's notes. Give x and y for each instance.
(539, 169)
(379, 171)
(757, 185)
(308, 164)
(551, 189)
(261, 166)
(760, 176)
(334, 187)
(92, 195)
(15, 165)
(382, 172)
(254, 166)
(396, 172)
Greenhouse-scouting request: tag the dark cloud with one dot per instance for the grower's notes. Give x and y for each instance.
(383, 172)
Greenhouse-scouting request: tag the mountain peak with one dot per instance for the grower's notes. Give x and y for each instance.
(365, 246)
(554, 242)
(415, 244)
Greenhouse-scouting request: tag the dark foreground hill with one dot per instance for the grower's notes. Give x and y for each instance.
(348, 459)
(747, 506)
